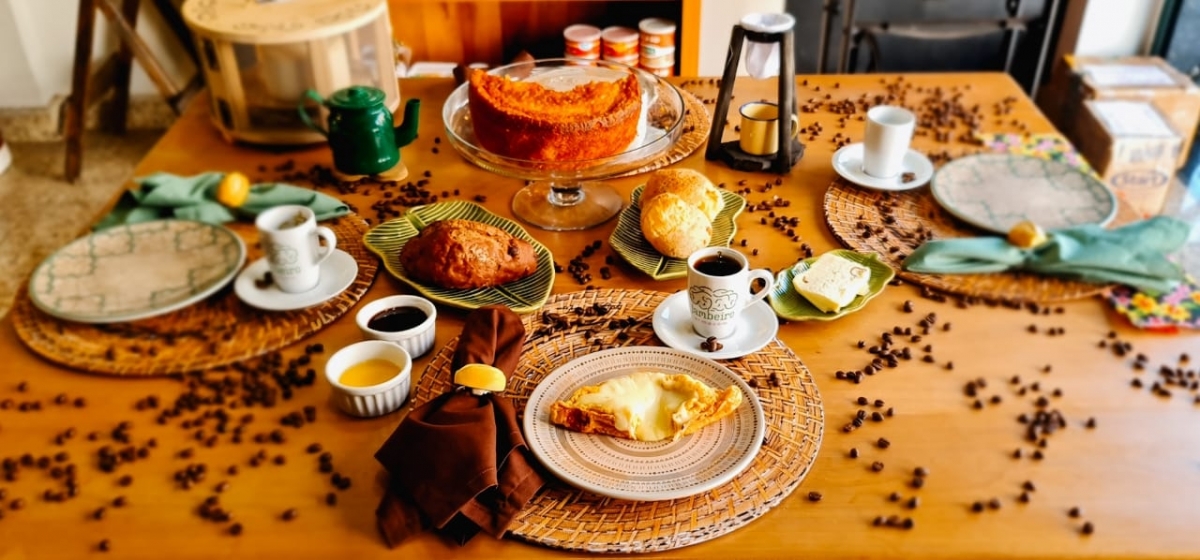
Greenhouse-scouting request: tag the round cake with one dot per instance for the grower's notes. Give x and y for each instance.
(529, 121)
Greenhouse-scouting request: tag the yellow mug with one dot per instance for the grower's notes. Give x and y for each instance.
(760, 128)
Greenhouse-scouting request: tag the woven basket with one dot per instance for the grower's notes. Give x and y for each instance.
(916, 216)
(217, 331)
(563, 517)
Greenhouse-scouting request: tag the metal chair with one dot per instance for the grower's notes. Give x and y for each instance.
(859, 36)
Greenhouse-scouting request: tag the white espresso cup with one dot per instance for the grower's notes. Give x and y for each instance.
(719, 281)
(290, 237)
(759, 131)
(889, 133)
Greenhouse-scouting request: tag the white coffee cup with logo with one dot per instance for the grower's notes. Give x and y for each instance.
(889, 133)
(719, 280)
(291, 240)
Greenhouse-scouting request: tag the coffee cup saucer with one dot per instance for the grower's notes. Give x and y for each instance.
(848, 162)
(337, 273)
(757, 326)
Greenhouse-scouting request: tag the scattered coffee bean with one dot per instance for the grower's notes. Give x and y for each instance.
(877, 466)
(1087, 528)
(994, 503)
(853, 452)
(235, 529)
(883, 443)
(814, 496)
(1073, 512)
(104, 546)
(290, 514)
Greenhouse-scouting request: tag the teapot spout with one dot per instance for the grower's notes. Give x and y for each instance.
(407, 131)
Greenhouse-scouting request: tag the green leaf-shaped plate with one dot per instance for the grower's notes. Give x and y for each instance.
(628, 242)
(523, 296)
(790, 305)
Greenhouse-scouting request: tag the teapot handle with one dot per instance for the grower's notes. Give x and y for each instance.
(313, 95)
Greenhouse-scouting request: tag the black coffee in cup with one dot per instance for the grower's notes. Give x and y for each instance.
(397, 319)
(718, 265)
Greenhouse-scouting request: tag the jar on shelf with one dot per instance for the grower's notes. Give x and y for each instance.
(582, 41)
(620, 44)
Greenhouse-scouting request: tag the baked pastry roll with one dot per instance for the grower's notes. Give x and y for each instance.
(674, 227)
(464, 254)
(690, 185)
(645, 406)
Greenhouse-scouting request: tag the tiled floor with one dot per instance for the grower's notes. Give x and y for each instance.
(40, 211)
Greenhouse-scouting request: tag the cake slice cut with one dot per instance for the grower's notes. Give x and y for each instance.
(645, 406)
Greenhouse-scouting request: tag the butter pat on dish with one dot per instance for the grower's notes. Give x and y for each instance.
(832, 282)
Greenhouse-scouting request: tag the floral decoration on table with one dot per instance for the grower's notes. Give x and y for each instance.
(1168, 311)
(1053, 147)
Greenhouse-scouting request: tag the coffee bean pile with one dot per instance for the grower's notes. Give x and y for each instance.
(600, 324)
(1170, 376)
(580, 269)
(215, 407)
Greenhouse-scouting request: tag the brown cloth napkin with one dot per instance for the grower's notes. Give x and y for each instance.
(459, 463)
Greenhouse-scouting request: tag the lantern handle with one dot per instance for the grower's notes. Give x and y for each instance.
(313, 95)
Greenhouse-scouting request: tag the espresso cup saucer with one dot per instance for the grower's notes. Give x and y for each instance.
(757, 326)
(337, 273)
(848, 162)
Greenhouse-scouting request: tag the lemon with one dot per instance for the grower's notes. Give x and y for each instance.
(1026, 235)
(234, 189)
(481, 377)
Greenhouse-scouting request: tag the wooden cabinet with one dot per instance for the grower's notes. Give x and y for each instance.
(494, 31)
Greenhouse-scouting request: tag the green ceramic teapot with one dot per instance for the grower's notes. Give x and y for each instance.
(361, 132)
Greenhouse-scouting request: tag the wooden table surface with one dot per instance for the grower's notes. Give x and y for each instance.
(1135, 476)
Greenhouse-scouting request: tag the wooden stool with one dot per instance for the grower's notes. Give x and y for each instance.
(115, 71)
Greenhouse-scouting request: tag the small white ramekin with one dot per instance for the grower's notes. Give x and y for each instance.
(417, 340)
(375, 400)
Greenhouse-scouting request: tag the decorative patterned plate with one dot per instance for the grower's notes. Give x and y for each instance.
(523, 296)
(635, 470)
(790, 305)
(628, 242)
(136, 271)
(995, 191)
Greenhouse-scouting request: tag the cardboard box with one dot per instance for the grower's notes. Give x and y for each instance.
(1149, 79)
(1132, 147)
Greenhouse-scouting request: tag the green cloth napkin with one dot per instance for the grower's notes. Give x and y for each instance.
(163, 195)
(1135, 254)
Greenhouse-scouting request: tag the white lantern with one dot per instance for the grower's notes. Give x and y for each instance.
(259, 57)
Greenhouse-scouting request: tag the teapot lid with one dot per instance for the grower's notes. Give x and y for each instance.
(356, 97)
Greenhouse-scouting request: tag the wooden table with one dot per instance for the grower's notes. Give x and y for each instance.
(1135, 476)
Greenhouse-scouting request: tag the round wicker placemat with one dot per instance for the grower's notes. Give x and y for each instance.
(900, 221)
(214, 332)
(696, 122)
(564, 517)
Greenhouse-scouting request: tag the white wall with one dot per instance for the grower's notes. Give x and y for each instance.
(1117, 27)
(717, 18)
(37, 50)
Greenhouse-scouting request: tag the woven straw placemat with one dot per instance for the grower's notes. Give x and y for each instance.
(696, 122)
(560, 516)
(900, 221)
(217, 331)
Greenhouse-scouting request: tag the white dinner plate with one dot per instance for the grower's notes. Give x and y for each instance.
(635, 470)
(848, 162)
(337, 273)
(996, 191)
(756, 328)
(136, 271)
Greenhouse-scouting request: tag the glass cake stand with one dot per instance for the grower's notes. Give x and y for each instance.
(570, 195)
